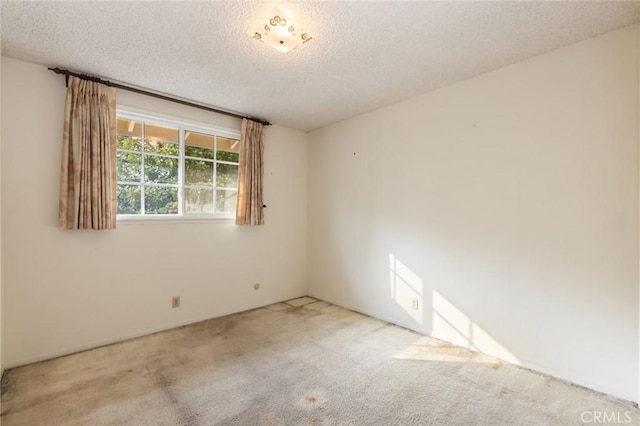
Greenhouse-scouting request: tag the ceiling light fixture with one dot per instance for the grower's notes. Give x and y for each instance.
(278, 32)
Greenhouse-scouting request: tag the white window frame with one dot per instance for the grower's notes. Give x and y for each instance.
(183, 126)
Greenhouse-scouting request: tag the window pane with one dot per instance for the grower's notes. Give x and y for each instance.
(228, 149)
(233, 157)
(198, 172)
(127, 142)
(129, 134)
(227, 175)
(198, 145)
(226, 144)
(154, 177)
(160, 200)
(197, 200)
(160, 169)
(129, 199)
(226, 201)
(161, 139)
(129, 166)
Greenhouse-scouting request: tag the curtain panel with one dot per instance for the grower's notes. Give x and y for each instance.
(88, 168)
(250, 209)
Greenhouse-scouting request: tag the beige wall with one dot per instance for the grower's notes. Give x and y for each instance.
(505, 205)
(74, 290)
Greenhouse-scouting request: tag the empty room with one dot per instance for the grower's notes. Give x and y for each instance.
(320, 213)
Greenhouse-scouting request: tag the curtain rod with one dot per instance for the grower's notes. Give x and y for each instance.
(67, 73)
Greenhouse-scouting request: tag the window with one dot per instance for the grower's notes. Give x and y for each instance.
(169, 168)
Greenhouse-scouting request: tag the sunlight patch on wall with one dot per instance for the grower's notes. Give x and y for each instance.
(406, 288)
(451, 324)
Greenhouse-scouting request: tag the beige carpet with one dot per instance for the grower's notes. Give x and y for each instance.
(304, 363)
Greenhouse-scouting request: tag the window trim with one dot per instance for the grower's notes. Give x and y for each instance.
(184, 125)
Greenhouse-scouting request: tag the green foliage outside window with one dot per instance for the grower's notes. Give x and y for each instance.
(162, 170)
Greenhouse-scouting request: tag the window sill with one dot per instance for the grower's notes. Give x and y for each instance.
(157, 219)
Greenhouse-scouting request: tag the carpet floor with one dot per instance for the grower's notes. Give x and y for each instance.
(301, 363)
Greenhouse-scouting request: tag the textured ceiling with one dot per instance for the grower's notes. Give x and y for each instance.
(364, 55)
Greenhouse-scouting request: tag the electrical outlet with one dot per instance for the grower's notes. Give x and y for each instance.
(175, 302)
(256, 286)
(415, 303)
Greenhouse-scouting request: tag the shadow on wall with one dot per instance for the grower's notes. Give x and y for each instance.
(447, 322)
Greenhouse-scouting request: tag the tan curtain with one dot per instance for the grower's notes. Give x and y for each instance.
(88, 169)
(249, 211)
